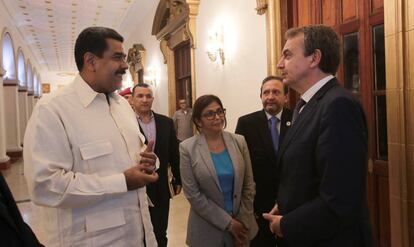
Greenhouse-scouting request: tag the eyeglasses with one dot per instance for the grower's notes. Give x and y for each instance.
(210, 115)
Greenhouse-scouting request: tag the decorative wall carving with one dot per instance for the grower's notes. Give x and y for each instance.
(261, 6)
(175, 23)
(171, 18)
(136, 61)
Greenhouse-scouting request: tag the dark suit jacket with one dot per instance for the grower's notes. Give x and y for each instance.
(166, 148)
(13, 230)
(322, 167)
(255, 129)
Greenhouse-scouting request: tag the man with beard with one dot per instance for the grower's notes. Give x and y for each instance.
(264, 131)
(85, 160)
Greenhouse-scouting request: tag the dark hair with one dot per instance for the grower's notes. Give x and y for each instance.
(141, 84)
(323, 38)
(273, 77)
(201, 103)
(93, 39)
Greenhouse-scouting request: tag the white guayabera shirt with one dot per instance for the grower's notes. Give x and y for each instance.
(76, 148)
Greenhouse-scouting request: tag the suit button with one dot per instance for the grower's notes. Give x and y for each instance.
(235, 196)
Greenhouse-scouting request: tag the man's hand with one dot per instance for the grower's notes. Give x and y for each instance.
(148, 158)
(143, 173)
(177, 189)
(239, 232)
(274, 223)
(137, 177)
(275, 210)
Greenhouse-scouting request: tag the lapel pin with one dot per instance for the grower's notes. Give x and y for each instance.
(288, 123)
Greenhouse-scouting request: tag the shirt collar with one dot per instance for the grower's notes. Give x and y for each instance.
(87, 94)
(278, 116)
(315, 88)
(151, 116)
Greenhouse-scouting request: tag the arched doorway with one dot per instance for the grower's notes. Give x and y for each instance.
(174, 25)
(30, 92)
(10, 96)
(22, 93)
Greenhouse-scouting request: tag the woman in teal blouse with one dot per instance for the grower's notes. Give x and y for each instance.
(217, 180)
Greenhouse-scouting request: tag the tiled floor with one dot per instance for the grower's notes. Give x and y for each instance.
(14, 176)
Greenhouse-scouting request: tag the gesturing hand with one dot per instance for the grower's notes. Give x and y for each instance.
(137, 177)
(148, 158)
(274, 223)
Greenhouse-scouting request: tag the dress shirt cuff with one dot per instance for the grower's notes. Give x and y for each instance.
(115, 183)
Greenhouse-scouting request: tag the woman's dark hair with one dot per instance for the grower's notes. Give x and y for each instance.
(200, 104)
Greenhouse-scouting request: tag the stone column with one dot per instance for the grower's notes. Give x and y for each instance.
(4, 159)
(11, 113)
(399, 54)
(274, 34)
(30, 103)
(23, 112)
(35, 100)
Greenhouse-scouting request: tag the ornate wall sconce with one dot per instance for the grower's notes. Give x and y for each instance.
(151, 76)
(215, 46)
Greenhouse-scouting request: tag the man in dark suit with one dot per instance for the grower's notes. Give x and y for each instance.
(14, 231)
(160, 129)
(263, 141)
(322, 161)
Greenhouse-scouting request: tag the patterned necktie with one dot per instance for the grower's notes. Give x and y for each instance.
(298, 106)
(274, 132)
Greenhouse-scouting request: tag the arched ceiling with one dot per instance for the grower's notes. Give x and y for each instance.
(50, 27)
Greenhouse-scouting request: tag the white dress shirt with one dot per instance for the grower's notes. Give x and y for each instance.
(76, 148)
(314, 89)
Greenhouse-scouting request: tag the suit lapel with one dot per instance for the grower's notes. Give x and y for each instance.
(285, 123)
(306, 113)
(238, 166)
(7, 209)
(208, 161)
(158, 129)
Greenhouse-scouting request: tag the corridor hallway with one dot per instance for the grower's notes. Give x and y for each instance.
(177, 226)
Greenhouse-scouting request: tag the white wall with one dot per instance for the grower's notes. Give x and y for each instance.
(154, 57)
(238, 81)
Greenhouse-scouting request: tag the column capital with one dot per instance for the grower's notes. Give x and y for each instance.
(261, 6)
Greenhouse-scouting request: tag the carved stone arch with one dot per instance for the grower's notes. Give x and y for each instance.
(29, 77)
(13, 79)
(21, 65)
(174, 24)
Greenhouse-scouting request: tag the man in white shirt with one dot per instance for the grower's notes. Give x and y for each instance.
(85, 160)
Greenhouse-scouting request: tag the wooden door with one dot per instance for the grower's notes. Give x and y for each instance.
(182, 61)
(362, 71)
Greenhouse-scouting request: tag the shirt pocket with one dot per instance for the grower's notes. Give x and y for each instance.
(97, 156)
(95, 149)
(105, 220)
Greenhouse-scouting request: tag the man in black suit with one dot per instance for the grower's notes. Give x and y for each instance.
(160, 129)
(13, 230)
(322, 161)
(263, 143)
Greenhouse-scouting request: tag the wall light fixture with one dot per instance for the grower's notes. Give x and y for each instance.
(215, 46)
